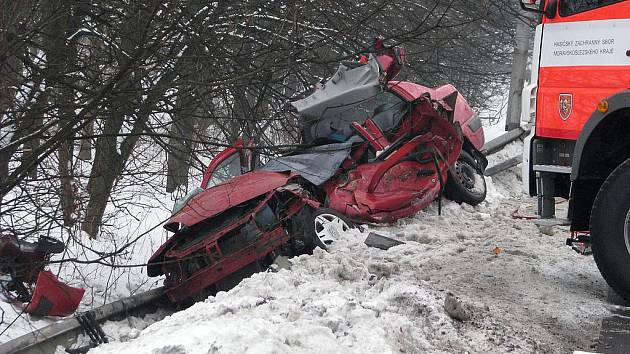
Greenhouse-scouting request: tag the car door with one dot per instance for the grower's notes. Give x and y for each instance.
(229, 163)
(233, 161)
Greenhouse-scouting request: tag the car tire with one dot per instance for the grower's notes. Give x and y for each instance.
(326, 226)
(468, 185)
(610, 230)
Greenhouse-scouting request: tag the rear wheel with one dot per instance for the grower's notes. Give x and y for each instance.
(468, 184)
(610, 230)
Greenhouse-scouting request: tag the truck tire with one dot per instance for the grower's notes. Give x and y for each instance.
(614, 299)
(468, 185)
(610, 230)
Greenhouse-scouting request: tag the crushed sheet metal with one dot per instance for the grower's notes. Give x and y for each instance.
(317, 164)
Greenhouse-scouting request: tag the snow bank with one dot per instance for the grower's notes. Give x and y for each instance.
(524, 291)
(348, 300)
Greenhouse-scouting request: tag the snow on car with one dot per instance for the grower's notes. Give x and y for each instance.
(380, 150)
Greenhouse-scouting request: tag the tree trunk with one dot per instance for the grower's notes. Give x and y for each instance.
(85, 147)
(519, 70)
(10, 77)
(108, 163)
(106, 168)
(180, 145)
(60, 58)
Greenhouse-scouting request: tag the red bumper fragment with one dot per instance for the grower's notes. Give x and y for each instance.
(52, 297)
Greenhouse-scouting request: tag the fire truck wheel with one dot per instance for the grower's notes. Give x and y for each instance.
(610, 230)
(468, 184)
(327, 226)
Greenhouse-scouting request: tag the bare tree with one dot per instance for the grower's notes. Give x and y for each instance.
(92, 90)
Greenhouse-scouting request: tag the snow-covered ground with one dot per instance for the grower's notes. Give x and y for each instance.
(519, 290)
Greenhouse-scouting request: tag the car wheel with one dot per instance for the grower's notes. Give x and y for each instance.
(327, 227)
(610, 230)
(468, 185)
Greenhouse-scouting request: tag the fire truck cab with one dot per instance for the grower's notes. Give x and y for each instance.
(578, 101)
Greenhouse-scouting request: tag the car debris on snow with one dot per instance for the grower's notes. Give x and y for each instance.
(379, 241)
(280, 262)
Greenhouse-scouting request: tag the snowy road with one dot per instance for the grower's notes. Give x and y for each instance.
(523, 291)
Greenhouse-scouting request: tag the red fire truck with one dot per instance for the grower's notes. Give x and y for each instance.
(579, 102)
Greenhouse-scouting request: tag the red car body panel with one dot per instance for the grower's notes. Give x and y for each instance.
(225, 266)
(220, 260)
(23, 262)
(387, 190)
(52, 297)
(463, 112)
(235, 148)
(220, 198)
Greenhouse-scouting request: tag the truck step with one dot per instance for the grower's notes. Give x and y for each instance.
(552, 168)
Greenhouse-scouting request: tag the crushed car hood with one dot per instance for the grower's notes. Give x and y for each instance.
(214, 200)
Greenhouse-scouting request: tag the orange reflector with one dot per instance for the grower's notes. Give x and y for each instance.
(602, 106)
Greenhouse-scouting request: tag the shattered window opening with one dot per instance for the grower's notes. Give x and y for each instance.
(226, 170)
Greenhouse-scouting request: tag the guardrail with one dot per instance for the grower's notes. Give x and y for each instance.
(66, 331)
(499, 143)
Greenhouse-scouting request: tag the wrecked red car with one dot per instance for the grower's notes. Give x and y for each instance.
(379, 150)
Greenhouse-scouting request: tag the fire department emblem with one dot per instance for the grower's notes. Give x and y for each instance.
(565, 105)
